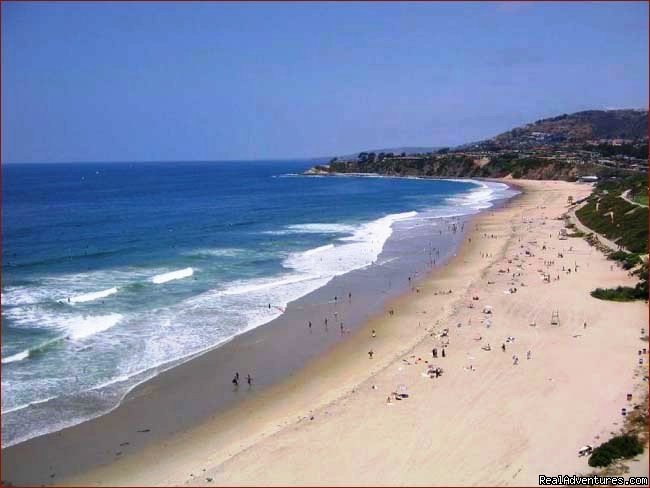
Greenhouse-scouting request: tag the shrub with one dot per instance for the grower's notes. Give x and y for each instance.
(617, 255)
(622, 446)
(629, 260)
(622, 293)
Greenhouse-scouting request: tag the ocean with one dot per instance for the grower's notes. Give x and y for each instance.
(113, 272)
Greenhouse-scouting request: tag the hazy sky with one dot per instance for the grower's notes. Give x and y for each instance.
(208, 81)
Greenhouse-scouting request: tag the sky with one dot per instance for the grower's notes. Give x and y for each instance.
(166, 81)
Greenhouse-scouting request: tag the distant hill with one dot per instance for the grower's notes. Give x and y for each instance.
(579, 127)
(564, 147)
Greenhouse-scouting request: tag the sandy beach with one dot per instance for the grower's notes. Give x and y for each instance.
(325, 244)
(492, 417)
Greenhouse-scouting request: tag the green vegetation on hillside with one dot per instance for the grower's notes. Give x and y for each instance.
(451, 164)
(637, 184)
(618, 220)
(560, 148)
(578, 127)
(639, 151)
(536, 168)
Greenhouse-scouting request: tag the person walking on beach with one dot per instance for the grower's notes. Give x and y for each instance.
(503, 347)
(249, 380)
(443, 353)
(370, 353)
(310, 326)
(434, 352)
(235, 380)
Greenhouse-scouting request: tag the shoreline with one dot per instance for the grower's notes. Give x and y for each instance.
(497, 423)
(118, 428)
(13, 434)
(278, 407)
(330, 400)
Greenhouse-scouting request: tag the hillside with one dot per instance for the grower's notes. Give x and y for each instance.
(463, 165)
(580, 127)
(594, 142)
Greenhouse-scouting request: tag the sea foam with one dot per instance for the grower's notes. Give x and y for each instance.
(357, 251)
(16, 357)
(83, 327)
(172, 275)
(89, 297)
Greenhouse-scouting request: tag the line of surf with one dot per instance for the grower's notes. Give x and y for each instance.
(172, 275)
(89, 297)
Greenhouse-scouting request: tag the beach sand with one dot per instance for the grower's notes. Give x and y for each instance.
(496, 423)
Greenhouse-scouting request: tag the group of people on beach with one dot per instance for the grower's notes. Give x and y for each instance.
(336, 316)
(235, 380)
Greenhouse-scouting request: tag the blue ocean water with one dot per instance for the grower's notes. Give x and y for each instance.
(113, 269)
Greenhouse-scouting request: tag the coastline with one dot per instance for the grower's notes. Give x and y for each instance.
(115, 433)
(242, 445)
(501, 423)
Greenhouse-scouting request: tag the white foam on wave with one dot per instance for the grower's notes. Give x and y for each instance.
(73, 327)
(16, 357)
(20, 407)
(244, 304)
(243, 287)
(24, 295)
(218, 252)
(172, 275)
(60, 287)
(314, 228)
(357, 251)
(83, 327)
(322, 228)
(89, 297)
(481, 197)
